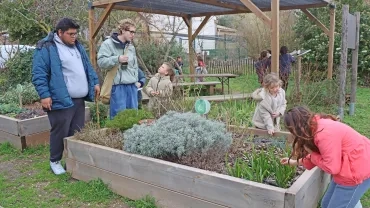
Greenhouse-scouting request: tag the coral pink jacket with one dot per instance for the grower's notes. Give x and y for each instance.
(344, 153)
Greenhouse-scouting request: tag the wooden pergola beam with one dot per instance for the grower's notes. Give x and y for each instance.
(223, 5)
(204, 22)
(186, 21)
(148, 10)
(92, 50)
(99, 3)
(251, 6)
(102, 19)
(190, 44)
(316, 21)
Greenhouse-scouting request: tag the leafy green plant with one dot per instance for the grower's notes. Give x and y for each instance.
(103, 113)
(19, 68)
(259, 166)
(177, 134)
(27, 92)
(126, 119)
(233, 112)
(312, 37)
(12, 109)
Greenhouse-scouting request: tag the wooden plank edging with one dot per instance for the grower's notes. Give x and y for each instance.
(40, 124)
(9, 125)
(206, 185)
(135, 189)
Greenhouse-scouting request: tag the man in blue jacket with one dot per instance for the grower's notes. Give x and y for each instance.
(64, 79)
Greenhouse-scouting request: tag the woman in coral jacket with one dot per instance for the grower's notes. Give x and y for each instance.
(320, 140)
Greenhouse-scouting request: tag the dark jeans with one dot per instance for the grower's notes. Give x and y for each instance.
(64, 123)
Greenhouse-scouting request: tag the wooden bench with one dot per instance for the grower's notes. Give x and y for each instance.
(222, 98)
(210, 85)
(213, 98)
(260, 132)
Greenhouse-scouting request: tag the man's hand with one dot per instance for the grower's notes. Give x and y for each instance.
(97, 90)
(138, 85)
(46, 103)
(123, 59)
(153, 92)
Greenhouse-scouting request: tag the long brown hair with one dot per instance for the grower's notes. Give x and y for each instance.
(302, 125)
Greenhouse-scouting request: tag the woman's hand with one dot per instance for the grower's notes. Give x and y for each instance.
(286, 161)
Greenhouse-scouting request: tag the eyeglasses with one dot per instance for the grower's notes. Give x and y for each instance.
(131, 31)
(72, 34)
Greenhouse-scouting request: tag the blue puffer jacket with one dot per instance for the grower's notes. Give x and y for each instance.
(47, 75)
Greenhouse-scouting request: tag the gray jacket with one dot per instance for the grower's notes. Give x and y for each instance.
(108, 55)
(265, 107)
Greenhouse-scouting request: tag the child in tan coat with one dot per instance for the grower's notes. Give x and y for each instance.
(160, 86)
(271, 104)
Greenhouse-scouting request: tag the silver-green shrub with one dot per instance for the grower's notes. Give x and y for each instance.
(177, 134)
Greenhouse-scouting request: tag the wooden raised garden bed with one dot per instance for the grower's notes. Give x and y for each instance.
(180, 186)
(28, 132)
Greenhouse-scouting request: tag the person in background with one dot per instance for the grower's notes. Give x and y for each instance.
(336, 148)
(178, 66)
(285, 61)
(64, 79)
(261, 66)
(118, 50)
(201, 68)
(142, 80)
(271, 104)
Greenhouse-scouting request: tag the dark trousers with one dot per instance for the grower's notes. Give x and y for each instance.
(63, 124)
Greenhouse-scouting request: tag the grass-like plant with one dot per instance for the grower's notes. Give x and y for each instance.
(259, 166)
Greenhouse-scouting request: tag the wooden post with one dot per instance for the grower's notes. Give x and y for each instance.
(298, 76)
(343, 62)
(354, 67)
(190, 44)
(275, 9)
(92, 50)
(331, 41)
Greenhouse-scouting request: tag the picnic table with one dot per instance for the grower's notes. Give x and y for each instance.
(223, 78)
(210, 85)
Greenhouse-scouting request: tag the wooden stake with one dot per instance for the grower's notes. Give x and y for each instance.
(355, 67)
(331, 42)
(275, 36)
(343, 62)
(91, 36)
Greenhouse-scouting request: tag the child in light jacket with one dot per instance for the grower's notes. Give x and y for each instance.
(271, 104)
(160, 86)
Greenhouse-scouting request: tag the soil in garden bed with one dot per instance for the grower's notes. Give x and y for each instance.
(28, 111)
(247, 151)
(255, 159)
(31, 111)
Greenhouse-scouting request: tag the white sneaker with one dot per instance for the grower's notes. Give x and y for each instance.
(57, 168)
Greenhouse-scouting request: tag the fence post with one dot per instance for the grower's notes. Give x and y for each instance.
(343, 62)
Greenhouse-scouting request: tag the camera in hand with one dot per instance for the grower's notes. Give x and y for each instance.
(125, 53)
